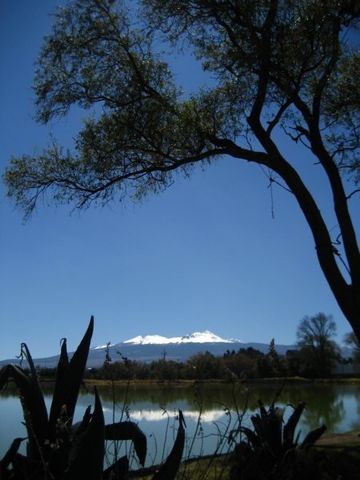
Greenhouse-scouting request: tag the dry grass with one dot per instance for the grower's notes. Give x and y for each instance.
(205, 468)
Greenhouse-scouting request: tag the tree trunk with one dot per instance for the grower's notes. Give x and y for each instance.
(347, 295)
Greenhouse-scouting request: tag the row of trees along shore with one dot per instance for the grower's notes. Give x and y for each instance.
(316, 355)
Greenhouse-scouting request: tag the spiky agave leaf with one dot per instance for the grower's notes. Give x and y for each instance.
(25, 352)
(33, 405)
(87, 453)
(290, 426)
(23, 468)
(313, 437)
(268, 426)
(262, 409)
(252, 437)
(10, 454)
(118, 470)
(79, 427)
(59, 456)
(58, 394)
(68, 379)
(128, 431)
(171, 466)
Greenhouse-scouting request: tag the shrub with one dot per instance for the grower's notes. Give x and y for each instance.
(272, 451)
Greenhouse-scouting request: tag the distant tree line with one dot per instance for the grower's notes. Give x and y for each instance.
(315, 356)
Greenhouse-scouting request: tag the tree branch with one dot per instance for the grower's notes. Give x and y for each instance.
(353, 193)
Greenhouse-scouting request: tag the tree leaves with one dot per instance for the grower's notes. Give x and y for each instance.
(315, 340)
(143, 129)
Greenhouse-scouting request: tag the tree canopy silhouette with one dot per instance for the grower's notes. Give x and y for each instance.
(286, 67)
(317, 347)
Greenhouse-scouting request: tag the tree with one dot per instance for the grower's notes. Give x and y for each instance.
(243, 363)
(318, 351)
(270, 364)
(352, 341)
(205, 365)
(274, 359)
(278, 67)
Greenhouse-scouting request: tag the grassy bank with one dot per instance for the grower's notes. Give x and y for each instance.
(252, 381)
(337, 456)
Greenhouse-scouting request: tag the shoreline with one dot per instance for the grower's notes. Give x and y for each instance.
(252, 381)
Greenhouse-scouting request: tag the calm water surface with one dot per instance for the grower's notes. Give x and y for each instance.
(210, 411)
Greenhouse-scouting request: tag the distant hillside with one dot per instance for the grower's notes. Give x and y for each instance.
(153, 347)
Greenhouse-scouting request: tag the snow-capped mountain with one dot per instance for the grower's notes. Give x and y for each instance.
(196, 337)
(153, 347)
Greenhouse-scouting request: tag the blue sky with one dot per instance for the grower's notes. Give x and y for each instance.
(206, 254)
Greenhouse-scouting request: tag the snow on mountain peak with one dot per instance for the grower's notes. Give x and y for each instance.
(102, 347)
(196, 337)
(147, 339)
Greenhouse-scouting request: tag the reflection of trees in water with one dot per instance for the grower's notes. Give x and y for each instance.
(10, 390)
(329, 411)
(325, 403)
(355, 424)
(358, 402)
(208, 396)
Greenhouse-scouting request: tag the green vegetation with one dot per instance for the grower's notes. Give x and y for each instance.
(58, 449)
(317, 350)
(244, 364)
(277, 68)
(279, 72)
(316, 357)
(354, 343)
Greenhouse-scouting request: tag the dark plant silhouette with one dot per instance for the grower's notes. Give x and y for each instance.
(270, 450)
(56, 448)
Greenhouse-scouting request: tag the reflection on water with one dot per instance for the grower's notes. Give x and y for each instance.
(335, 405)
(210, 411)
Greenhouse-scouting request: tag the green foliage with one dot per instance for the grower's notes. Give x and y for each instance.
(104, 56)
(96, 55)
(244, 363)
(317, 349)
(270, 451)
(271, 364)
(351, 340)
(61, 450)
(202, 366)
(233, 365)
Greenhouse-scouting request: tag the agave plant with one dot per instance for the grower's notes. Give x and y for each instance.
(58, 449)
(267, 451)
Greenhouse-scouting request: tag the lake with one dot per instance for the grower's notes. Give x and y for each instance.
(211, 411)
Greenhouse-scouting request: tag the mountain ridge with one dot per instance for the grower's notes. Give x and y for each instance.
(148, 348)
(205, 336)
